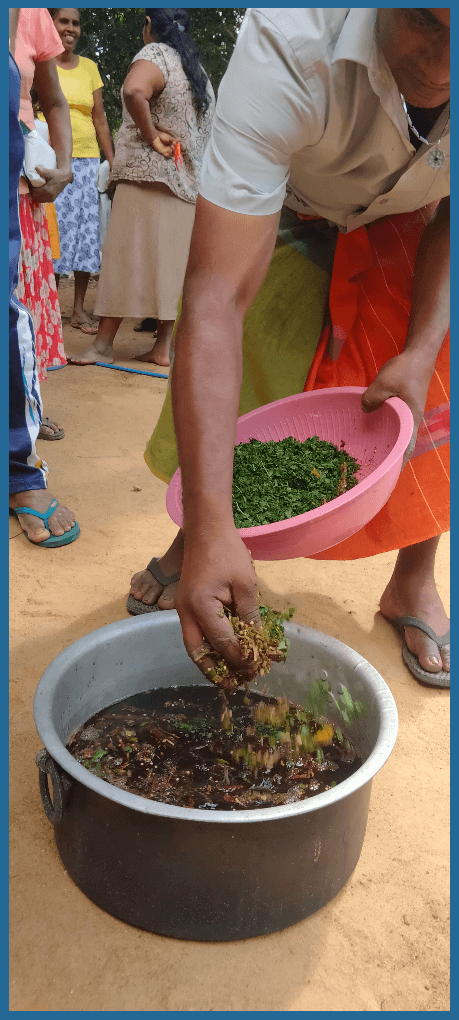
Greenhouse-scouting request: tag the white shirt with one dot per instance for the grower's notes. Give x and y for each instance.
(308, 114)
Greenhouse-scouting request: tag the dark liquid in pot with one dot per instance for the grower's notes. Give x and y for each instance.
(169, 745)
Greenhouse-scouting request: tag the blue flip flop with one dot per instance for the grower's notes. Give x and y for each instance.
(54, 541)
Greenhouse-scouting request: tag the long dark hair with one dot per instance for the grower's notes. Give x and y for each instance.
(165, 22)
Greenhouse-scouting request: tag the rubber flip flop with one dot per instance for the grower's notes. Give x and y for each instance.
(137, 608)
(54, 541)
(89, 332)
(146, 326)
(54, 435)
(439, 679)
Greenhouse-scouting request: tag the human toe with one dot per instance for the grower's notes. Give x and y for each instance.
(62, 520)
(39, 534)
(144, 588)
(167, 598)
(48, 427)
(426, 650)
(445, 658)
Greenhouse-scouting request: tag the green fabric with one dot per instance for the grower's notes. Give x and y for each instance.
(281, 333)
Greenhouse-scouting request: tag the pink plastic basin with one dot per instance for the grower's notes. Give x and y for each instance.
(377, 441)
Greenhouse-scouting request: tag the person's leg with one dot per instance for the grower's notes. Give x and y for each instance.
(146, 589)
(160, 352)
(412, 592)
(79, 316)
(101, 348)
(27, 473)
(57, 277)
(148, 325)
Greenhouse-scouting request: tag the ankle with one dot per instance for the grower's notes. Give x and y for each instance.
(402, 585)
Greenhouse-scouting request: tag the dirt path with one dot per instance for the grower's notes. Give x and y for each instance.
(382, 944)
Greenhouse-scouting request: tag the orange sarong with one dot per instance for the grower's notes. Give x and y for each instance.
(53, 230)
(370, 306)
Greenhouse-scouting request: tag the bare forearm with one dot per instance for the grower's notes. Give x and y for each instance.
(229, 258)
(139, 108)
(104, 138)
(430, 313)
(205, 395)
(57, 116)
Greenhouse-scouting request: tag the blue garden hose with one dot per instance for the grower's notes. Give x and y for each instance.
(118, 368)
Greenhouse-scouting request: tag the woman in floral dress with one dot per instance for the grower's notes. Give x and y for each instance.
(167, 97)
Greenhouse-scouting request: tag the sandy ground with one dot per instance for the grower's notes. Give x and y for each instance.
(382, 944)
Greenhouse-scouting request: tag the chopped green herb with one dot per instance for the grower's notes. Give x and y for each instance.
(274, 481)
(318, 699)
(98, 755)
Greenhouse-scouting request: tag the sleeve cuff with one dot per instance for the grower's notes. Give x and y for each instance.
(222, 186)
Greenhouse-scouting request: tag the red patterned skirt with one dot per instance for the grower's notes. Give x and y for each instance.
(37, 285)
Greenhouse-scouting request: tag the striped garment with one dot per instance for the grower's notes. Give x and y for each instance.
(27, 471)
(370, 307)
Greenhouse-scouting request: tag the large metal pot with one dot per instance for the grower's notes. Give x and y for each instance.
(193, 874)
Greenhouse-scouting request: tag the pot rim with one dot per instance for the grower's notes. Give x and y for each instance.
(42, 707)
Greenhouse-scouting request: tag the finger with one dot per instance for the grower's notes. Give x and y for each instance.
(210, 664)
(44, 173)
(209, 628)
(410, 448)
(372, 399)
(246, 605)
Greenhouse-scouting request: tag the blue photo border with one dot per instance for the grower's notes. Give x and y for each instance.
(5, 558)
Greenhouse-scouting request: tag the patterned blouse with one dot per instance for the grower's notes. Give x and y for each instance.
(172, 110)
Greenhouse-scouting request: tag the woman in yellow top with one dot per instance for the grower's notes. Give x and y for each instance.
(77, 207)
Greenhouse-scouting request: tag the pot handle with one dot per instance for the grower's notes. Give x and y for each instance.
(61, 784)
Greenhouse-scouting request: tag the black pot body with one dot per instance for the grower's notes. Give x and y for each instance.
(205, 881)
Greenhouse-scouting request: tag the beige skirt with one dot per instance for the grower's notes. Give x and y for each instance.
(145, 252)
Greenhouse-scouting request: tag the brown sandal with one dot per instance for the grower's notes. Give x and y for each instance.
(137, 608)
(54, 435)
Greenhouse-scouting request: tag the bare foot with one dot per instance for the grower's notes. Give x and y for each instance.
(48, 427)
(424, 602)
(145, 588)
(97, 351)
(85, 322)
(159, 355)
(61, 520)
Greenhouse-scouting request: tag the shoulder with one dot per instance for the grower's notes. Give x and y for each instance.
(89, 66)
(153, 51)
(165, 57)
(300, 34)
(38, 32)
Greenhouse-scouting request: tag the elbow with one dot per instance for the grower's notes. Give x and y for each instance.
(132, 93)
(57, 101)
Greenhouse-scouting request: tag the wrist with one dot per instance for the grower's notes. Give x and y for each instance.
(419, 360)
(211, 523)
(65, 169)
(147, 134)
